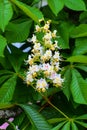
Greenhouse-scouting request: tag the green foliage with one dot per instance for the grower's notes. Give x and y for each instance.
(7, 90)
(77, 5)
(3, 44)
(6, 13)
(80, 31)
(35, 118)
(56, 5)
(78, 88)
(32, 12)
(58, 108)
(18, 32)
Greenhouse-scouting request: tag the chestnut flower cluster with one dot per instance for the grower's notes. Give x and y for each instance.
(44, 59)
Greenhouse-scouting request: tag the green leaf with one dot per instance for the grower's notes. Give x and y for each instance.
(16, 58)
(7, 90)
(56, 6)
(66, 84)
(4, 61)
(3, 44)
(66, 126)
(4, 78)
(80, 46)
(59, 126)
(32, 12)
(19, 119)
(36, 119)
(78, 58)
(82, 67)
(78, 88)
(5, 72)
(55, 120)
(83, 17)
(74, 127)
(77, 5)
(6, 105)
(64, 35)
(82, 117)
(6, 13)
(80, 31)
(82, 124)
(11, 125)
(18, 32)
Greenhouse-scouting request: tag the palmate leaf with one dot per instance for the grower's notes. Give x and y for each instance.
(32, 12)
(59, 125)
(82, 117)
(35, 118)
(4, 78)
(3, 44)
(81, 67)
(67, 82)
(16, 58)
(64, 34)
(5, 72)
(18, 32)
(12, 126)
(80, 46)
(18, 121)
(7, 90)
(66, 126)
(74, 127)
(55, 120)
(82, 123)
(77, 58)
(56, 5)
(77, 5)
(6, 13)
(80, 31)
(78, 88)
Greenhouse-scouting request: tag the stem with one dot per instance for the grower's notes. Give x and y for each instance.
(48, 101)
(55, 107)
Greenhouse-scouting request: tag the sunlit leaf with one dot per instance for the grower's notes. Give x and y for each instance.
(74, 127)
(32, 12)
(56, 5)
(79, 31)
(66, 126)
(78, 58)
(78, 88)
(6, 13)
(3, 44)
(77, 5)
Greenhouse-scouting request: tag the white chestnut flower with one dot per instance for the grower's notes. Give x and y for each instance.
(47, 36)
(41, 85)
(48, 54)
(56, 56)
(34, 39)
(44, 60)
(38, 28)
(54, 33)
(37, 46)
(46, 26)
(45, 66)
(29, 78)
(57, 81)
(33, 68)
